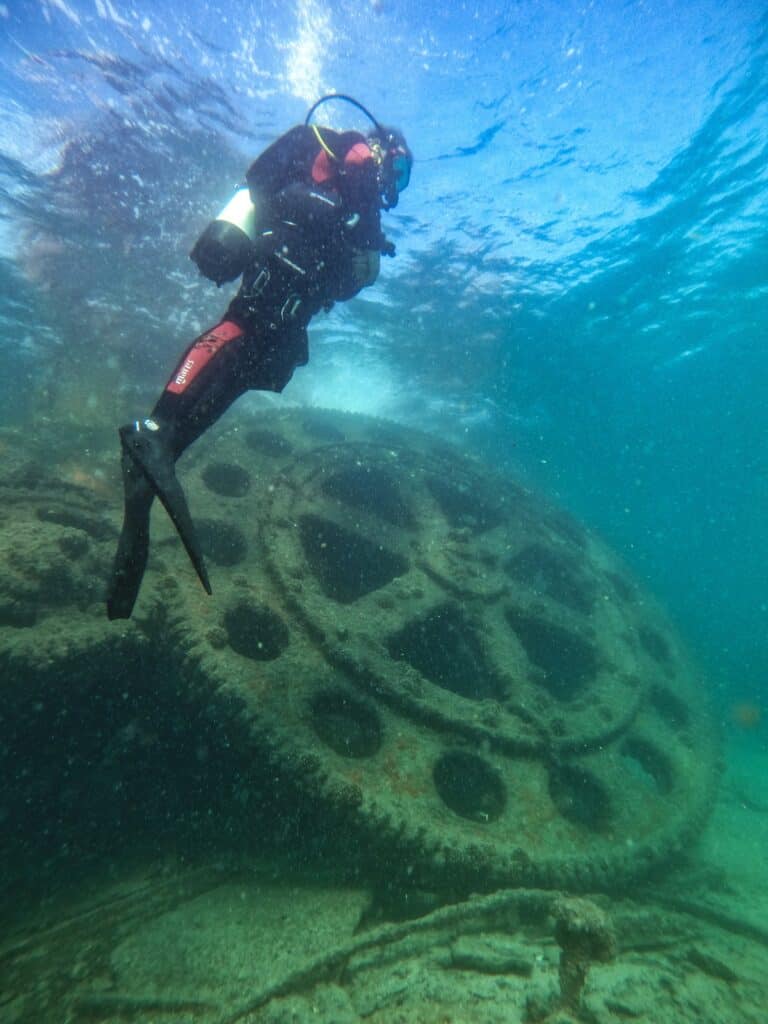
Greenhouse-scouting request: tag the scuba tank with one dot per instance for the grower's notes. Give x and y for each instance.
(222, 251)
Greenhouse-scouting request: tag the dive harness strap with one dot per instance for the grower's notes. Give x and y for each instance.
(324, 145)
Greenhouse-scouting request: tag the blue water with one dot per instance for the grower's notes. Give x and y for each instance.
(581, 285)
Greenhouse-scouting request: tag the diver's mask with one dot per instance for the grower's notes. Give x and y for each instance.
(393, 165)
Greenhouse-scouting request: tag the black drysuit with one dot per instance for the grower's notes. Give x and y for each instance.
(323, 214)
(318, 202)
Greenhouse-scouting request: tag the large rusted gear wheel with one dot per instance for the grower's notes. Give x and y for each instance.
(459, 667)
(459, 672)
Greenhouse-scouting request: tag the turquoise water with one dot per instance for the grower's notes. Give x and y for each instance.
(581, 286)
(579, 296)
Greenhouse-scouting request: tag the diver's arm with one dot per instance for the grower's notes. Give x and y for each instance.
(359, 189)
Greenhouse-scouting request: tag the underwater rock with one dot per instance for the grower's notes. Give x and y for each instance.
(491, 954)
(585, 935)
(52, 552)
(711, 965)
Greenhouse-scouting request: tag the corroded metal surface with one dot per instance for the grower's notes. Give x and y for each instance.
(457, 667)
(458, 671)
(216, 945)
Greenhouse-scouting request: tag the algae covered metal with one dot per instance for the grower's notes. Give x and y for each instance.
(466, 678)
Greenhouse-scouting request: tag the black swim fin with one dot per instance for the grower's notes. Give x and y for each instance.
(133, 546)
(151, 456)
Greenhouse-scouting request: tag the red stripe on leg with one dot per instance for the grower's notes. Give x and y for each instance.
(201, 353)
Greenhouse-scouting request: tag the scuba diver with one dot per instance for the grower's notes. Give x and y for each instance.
(304, 232)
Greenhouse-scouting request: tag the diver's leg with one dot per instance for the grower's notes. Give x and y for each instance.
(133, 545)
(147, 446)
(206, 383)
(210, 376)
(216, 369)
(214, 372)
(203, 385)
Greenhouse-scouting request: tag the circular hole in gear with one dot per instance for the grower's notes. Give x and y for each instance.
(555, 574)
(567, 661)
(654, 644)
(223, 543)
(648, 765)
(670, 707)
(370, 489)
(466, 504)
(267, 442)
(469, 786)
(255, 631)
(226, 479)
(347, 565)
(580, 798)
(347, 726)
(445, 649)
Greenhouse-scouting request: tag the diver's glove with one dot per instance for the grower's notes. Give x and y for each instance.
(365, 265)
